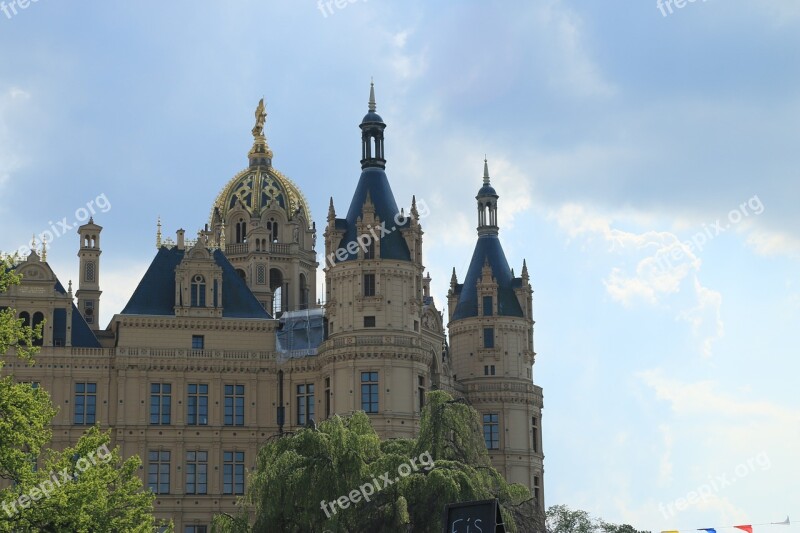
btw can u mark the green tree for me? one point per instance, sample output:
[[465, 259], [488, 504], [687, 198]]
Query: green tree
[[562, 519], [298, 474], [85, 488]]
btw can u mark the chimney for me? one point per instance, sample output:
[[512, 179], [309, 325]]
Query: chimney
[[180, 239]]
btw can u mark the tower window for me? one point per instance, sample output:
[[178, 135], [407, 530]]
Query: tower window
[[88, 311], [90, 271], [487, 306], [38, 318], [261, 275], [369, 392], [488, 337], [369, 284], [327, 397], [535, 428], [421, 391], [198, 342], [198, 291], [241, 231], [369, 250], [369, 321], [491, 431]]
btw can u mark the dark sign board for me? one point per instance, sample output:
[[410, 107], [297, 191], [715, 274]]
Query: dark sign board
[[473, 517]]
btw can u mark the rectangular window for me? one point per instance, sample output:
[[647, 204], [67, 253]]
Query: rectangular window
[[491, 431], [369, 252], [233, 472], [160, 403], [487, 306], [195, 529], [369, 321], [485, 370], [88, 311], [535, 427], [416, 326], [421, 391], [197, 405], [327, 398], [158, 471], [369, 392], [536, 490], [491, 370], [369, 284], [234, 405], [305, 403], [85, 404], [488, 337], [197, 472], [198, 342]]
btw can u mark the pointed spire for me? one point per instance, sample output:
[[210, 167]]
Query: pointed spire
[[453, 278], [372, 106], [525, 275], [414, 212], [485, 171], [158, 233], [222, 236], [44, 248]]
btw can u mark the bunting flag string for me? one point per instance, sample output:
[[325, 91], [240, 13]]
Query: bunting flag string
[[748, 527]]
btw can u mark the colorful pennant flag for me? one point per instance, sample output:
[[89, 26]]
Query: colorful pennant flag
[[749, 529], [708, 529]]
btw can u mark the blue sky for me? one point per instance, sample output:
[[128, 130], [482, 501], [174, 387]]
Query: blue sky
[[615, 135]]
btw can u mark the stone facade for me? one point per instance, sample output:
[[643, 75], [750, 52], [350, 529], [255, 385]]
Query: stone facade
[[190, 375]]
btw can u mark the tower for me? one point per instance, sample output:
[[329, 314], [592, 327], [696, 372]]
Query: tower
[[379, 354], [491, 347], [89, 274], [262, 223]]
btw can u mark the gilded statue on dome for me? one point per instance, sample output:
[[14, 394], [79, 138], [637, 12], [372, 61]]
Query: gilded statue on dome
[[261, 117]]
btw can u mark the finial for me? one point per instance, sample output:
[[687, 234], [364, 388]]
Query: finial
[[485, 171], [91, 220], [69, 288], [372, 106], [453, 278], [158, 233], [222, 237], [44, 248], [261, 117], [33, 242]]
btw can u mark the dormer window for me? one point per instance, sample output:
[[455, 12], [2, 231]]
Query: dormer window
[[198, 291]]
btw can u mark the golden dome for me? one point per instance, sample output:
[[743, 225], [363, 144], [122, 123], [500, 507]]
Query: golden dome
[[260, 184]]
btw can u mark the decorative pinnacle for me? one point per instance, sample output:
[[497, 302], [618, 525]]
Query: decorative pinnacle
[[453, 278], [485, 171], [44, 248], [69, 290], [158, 233], [33, 242], [372, 106]]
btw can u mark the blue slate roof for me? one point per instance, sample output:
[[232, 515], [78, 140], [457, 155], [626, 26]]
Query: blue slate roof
[[374, 181], [488, 248], [82, 335], [155, 294]]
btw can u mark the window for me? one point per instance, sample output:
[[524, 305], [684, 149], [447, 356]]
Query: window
[[234, 405], [369, 284], [198, 342], [198, 291], [88, 311], [369, 251], [261, 275], [38, 318], [535, 428], [369, 392], [160, 403], [195, 529], [536, 490], [305, 403], [327, 397], [90, 271], [416, 326], [197, 472], [241, 231], [197, 405], [421, 391], [491, 431], [488, 337], [158, 471], [233, 472], [369, 321], [85, 404], [26, 318], [491, 370], [487, 306], [272, 228]]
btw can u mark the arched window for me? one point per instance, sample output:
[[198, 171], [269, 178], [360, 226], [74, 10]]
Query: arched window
[[26, 318], [272, 227], [277, 301], [38, 318], [241, 273], [241, 231], [198, 291]]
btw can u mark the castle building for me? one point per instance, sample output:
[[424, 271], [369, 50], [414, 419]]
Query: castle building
[[225, 343]]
